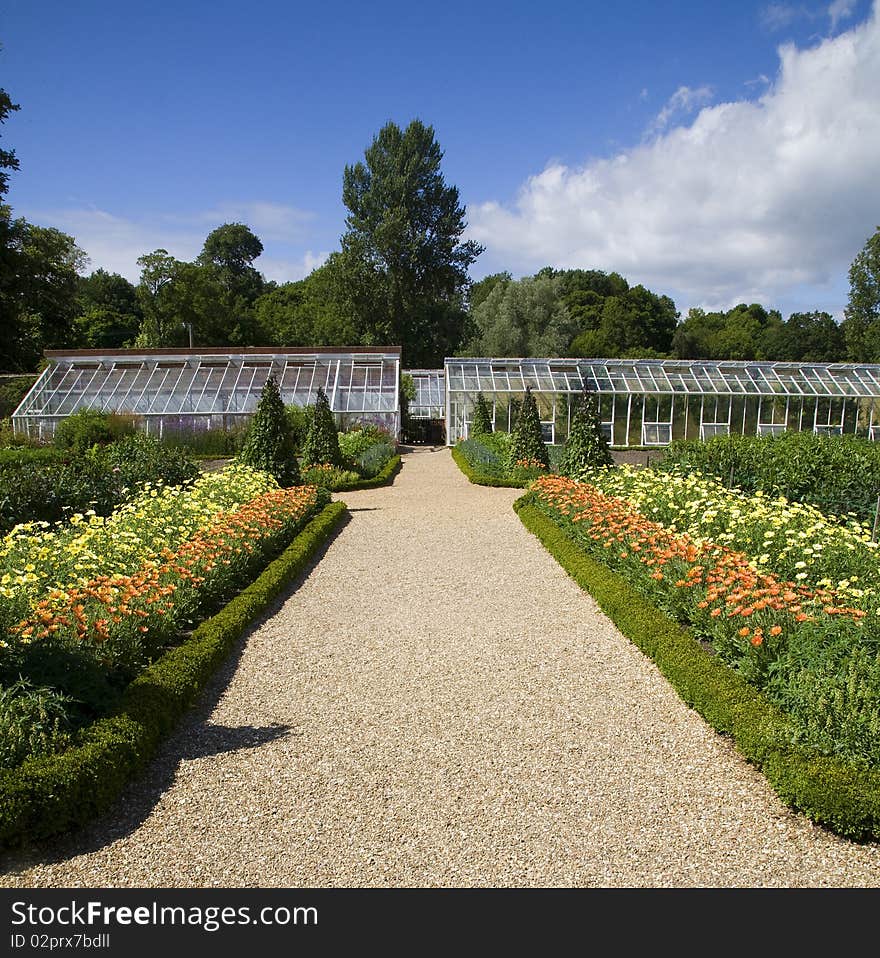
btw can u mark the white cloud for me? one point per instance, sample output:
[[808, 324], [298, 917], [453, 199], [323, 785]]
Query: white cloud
[[749, 201], [777, 16], [114, 242], [685, 100], [287, 271], [840, 10], [270, 221]]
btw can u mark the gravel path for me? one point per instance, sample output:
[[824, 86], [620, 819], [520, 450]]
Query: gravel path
[[438, 704]]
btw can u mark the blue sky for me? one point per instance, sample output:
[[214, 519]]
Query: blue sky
[[715, 152]]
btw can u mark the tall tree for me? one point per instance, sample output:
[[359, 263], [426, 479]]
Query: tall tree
[[526, 317], [404, 242], [109, 315], [8, 159], [861, 326]]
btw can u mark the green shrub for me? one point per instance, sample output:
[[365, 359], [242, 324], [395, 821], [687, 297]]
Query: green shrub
[[88, 427], [140, 458], [481, 422], [50, 484], [527, 441], [300, 418], [207, 443], [354, 443], [269, 444], [586, 446], [484, 469], [374, 459], [322, 441], [328, 477], [12, 391], [837, 474], [33, 721]]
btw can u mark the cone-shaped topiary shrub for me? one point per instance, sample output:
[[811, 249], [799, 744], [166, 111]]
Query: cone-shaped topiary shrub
[[269, 444], [322, 440], [481, 424], [586, 446], [527, 442]]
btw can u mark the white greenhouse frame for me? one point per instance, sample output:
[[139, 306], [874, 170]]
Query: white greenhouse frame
[[650, 402], [430, 398], [208, 388]]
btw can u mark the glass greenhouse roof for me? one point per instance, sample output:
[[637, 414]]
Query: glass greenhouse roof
[[185, 382], [663, 376]]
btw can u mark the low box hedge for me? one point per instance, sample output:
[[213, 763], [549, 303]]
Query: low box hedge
[[383, 478], [52, 794], [479, 478], [836, 794]]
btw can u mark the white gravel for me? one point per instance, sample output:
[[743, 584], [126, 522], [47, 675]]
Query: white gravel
[[438, 704]]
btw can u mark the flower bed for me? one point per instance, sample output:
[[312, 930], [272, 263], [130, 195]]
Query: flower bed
[[808, 647], [77, 644], [790, 539]]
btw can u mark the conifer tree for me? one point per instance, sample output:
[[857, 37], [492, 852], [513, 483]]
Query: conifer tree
[[322, 441], [481, 424], [587, 445], [269, 443], [527, 441]]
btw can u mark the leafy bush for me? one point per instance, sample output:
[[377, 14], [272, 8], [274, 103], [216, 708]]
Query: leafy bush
[[12, 391], [355, 442], [49, 484], [837, 474], [269, 444], [300, 418], [214, 443], [586, 446], [481, 422], [482, 458], [140, 458], [527, 441], [322, 441], [33, 721], [374, 459], [328, 476], [88, 427]]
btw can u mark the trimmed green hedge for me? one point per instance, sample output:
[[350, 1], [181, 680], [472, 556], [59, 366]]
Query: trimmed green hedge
[[383, 478], [482, 478], [834, 793], [52, 794]]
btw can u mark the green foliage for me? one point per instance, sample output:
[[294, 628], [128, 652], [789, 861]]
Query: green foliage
[[300, 419], [837, 474], [51, 794], [88, 427], [207, 443], [50, 484], [12, 391], [321, 446], [137, 458], [481, 421], [33, 721], [527, 441], [329, 477], [586, 445], [523, 318], [269, 444], [373, 460], [402, 262], [481, 466], [862, 324], [840, 795]]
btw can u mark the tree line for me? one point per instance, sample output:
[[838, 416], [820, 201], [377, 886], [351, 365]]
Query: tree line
[[400, 277]]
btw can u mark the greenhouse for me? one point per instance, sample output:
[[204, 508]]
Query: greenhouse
[[650, 402], [430, 394], [204, 388]]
